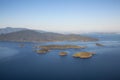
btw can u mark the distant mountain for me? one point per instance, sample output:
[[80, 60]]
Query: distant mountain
[[35, 36], [41, 31], [10, 30]]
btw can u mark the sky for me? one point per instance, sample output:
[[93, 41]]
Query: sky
[[61, 15]]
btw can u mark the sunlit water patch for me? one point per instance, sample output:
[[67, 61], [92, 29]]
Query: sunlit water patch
[[7, 52]]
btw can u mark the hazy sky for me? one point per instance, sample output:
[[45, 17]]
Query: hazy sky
[[61, 15]]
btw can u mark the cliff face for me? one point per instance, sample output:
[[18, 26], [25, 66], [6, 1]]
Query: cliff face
[[33, 36]]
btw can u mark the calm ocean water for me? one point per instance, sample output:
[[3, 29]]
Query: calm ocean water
[[24, 64]]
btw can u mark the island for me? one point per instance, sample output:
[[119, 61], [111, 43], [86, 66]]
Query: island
[[47, 48], [98, 44], [21, 45], [41, 51], [63, 53], [83, 55], [62, 47]]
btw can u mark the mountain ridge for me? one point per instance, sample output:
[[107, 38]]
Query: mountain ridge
[[34, 36], [11, 29]]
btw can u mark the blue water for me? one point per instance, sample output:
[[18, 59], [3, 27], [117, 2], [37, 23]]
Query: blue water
[[24, 64]]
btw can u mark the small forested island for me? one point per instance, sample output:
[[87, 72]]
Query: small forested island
[[62, 47], [83, 55], [46, 48], [63, 53], [98, 44], [41, 51], [21, 45]]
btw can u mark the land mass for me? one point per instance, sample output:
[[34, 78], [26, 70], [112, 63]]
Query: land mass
[[36, 36], [83, 55], [62, 47]]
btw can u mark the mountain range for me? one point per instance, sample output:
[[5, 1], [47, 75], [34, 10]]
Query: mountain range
[[28, 35]]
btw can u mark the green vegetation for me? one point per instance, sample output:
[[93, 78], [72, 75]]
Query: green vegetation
[[45, 49], [62, 47], [34, 36]]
